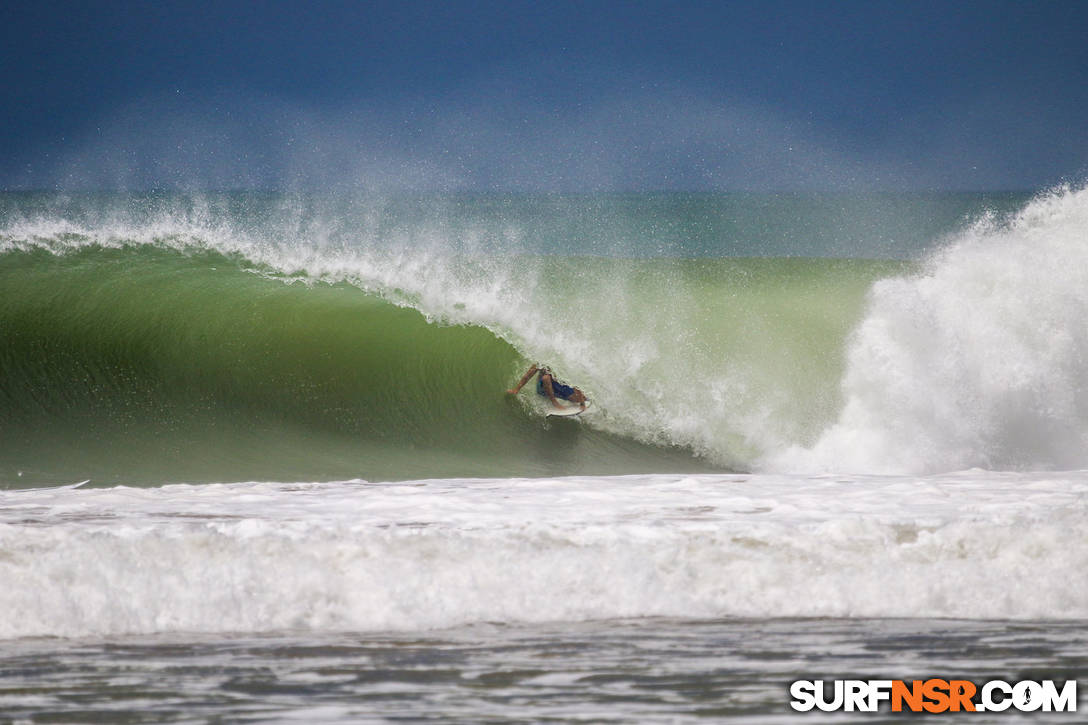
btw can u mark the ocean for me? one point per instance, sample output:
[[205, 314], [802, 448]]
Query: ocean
[[257, 462]]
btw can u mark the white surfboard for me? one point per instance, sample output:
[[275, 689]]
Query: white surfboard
[[564, 410]]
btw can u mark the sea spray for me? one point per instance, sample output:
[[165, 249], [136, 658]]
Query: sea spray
[[978, 360]]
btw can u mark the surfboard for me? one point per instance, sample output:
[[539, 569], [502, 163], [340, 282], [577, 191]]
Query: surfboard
[[567, 410]]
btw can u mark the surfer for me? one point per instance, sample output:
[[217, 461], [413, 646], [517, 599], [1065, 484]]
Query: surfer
[[549, 387]]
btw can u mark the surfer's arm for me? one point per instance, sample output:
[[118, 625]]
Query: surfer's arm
[[524, 379]]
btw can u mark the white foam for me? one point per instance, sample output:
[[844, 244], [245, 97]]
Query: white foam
[[361, 556], [977, 361]]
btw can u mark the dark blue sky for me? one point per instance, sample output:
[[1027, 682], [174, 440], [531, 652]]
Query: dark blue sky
[[544, 95]]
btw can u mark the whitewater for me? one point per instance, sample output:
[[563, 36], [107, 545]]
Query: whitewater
[[356, 555], [831, 435]]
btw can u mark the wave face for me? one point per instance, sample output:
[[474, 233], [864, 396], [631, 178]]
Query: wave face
[[150, 363], [249, 337]]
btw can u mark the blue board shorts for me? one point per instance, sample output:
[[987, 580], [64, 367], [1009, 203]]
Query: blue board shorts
[[563, 392]]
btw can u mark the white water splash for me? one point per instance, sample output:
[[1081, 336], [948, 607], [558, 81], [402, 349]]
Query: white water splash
[[263, 557], [980, 360]]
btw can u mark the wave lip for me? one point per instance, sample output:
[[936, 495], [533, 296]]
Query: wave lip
[[416, 555]]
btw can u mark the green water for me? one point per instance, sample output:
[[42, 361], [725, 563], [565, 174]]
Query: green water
[[161, 338], [153, 365]]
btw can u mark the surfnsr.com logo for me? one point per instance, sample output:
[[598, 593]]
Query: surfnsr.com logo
[[933, 695]]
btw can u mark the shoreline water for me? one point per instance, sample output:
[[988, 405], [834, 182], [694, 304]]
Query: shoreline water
[[649, 670], [666, 598]]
